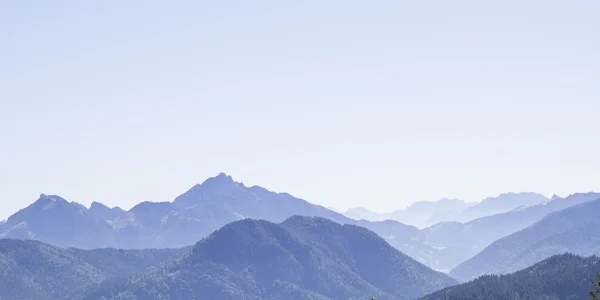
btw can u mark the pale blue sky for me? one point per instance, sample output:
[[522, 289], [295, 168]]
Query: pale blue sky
[[343, 103]]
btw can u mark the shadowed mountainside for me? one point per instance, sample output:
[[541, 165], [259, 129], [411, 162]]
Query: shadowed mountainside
[[559, 277], [572, 230], [35, 270], [220, 200], [301, 258]]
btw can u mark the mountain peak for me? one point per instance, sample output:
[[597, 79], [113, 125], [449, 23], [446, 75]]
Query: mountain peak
[[104, 212], [49, 200], [221, 179], [216, 183], [301, 258], [308, 220], [98, 205], [222, 174], [152, 206], [512, 200], [212, 189], [45, 197], [448, 200]]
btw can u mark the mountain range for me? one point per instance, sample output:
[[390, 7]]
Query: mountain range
[[418, 214], [572, 230], [427, 213], [220, 200], [35, 270], [560, 277], [103, 212], [252, 243], [501, 204], [190, 217], [53, 220], [300, 258], [457, 242]]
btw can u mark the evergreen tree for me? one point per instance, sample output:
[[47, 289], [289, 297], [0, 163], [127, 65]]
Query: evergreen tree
[[595, 294]]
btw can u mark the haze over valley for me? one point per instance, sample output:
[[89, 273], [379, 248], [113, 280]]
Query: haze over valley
[[299, 150], [522, 229]]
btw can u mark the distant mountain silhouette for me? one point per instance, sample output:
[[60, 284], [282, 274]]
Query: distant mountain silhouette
[[301, 258], [192, 216], [559, 277], [241, 202], [418, 214], [103, 212], [205, 208], [220, 200], [488, 207], [35, 270], [572, 230], [54, 220], [457, 242], [427, 213], [363, 213], [501, 204]]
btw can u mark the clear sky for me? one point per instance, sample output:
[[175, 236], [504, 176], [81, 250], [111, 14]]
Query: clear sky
[[343, 103]]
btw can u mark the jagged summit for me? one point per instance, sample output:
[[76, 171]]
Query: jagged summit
[[213, 188], [98, 205], [450, 200], [430, 204], [52, 219], [506, 202], [555, 197], [219, 180], [509, 195], [151, 206], [222, 180], [50, 198], [45, 202], [104, 212]]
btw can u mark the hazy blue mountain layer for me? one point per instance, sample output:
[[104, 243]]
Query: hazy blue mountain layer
[[561, 277], [301, 258], [35, 270], [220, 200], [572, 230]]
